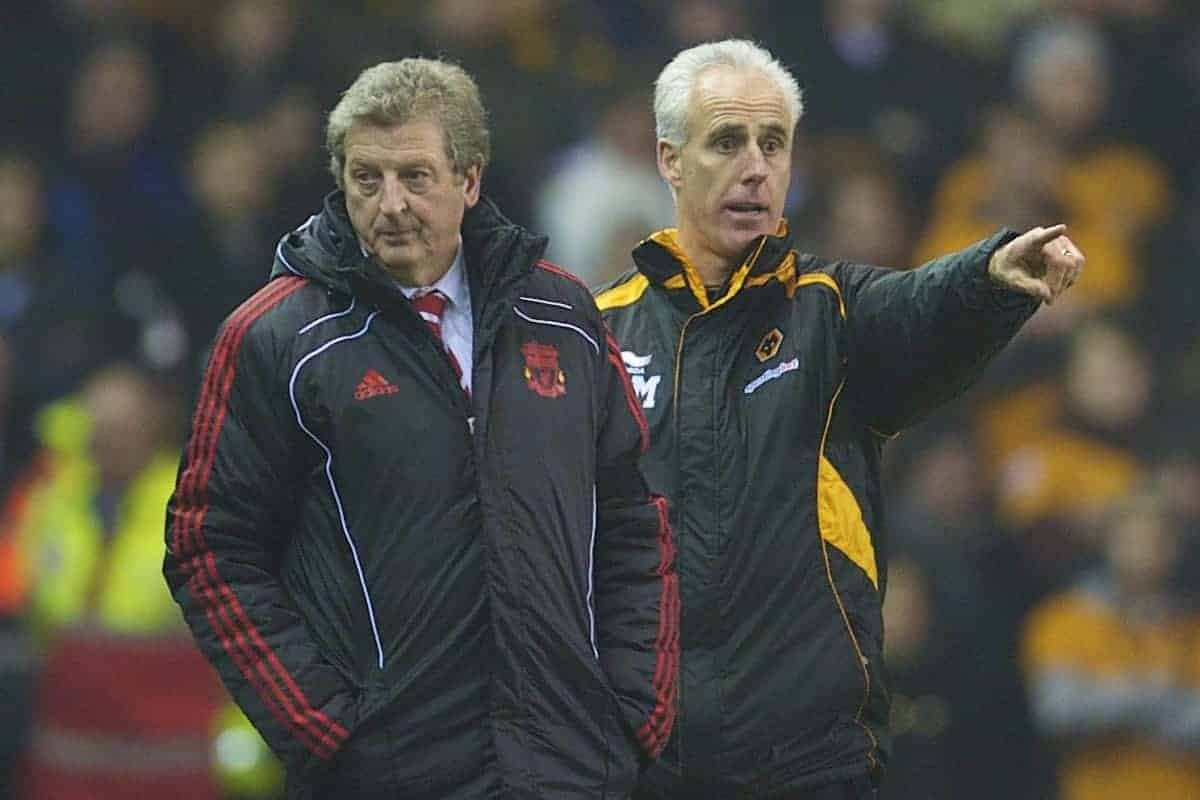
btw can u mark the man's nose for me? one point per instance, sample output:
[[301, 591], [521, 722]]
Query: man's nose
[[756, 170], [394, 198]]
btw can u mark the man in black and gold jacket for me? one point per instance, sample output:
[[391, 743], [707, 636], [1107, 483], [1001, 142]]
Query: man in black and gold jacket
[[771, 380]]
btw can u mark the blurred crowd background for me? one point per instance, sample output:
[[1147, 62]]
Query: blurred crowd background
[[1043, 608]]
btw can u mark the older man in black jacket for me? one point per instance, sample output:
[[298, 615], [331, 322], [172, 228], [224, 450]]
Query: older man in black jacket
[[409, 528], [771, 380]]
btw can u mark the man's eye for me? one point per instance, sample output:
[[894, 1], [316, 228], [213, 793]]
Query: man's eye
[[726, 144], [771, 147]]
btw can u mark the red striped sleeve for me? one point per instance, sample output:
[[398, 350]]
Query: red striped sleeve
[[635, 408], [240, 638], [654, 733]]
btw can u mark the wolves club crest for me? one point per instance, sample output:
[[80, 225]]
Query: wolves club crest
[[769, 345], [542, 373]]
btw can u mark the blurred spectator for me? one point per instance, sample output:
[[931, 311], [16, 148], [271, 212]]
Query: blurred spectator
[[291, 133], [657, 28], [224, 256], [606, 184], [866, 218], [119, 196], [1009, 180], [979, 25], [51, 334], [256, 52], [124, 702], [1114, 668], [616, 251], [691, 22], [1155, 66], [916, 648], [866, 72], [254, 40], [952, 615], [1062, 72], [1055, 490], [1053, 156], [42, 44]]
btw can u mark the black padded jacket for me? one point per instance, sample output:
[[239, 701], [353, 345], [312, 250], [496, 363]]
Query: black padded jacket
[[769, 405], [413, 593]]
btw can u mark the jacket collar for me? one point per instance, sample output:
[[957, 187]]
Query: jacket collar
[[497, 253], [660, 258]]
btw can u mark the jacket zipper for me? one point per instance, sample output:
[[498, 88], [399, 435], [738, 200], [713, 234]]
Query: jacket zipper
[[678, 547], [746, 266]]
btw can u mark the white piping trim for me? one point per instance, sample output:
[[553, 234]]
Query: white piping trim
[[591, 608], [279, 255], [362, 581], [279, 248], [546, 302], [327, 317], [551, 322]]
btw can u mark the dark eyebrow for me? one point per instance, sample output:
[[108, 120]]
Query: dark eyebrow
[[778, 130], [402, 164], [727, 129]]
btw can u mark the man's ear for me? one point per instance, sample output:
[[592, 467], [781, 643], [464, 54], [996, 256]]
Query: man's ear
[[668, 163], [472, 182]]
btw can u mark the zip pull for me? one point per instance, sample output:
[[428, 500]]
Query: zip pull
[[471, 425]]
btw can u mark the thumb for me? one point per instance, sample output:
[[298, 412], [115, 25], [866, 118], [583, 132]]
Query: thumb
[[1031, 286]]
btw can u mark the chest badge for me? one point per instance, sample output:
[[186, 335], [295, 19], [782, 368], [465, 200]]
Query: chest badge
[[645, 386], [542, 372], [769, 346]]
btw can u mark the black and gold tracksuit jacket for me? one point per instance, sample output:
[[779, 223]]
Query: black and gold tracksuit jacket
[[769, 405]]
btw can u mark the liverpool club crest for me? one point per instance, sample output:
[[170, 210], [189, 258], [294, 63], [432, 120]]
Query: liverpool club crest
[[542, 373]]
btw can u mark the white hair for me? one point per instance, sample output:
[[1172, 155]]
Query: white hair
[[673, 88]]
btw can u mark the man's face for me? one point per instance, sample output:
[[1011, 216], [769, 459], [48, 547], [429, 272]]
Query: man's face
[[405, 199], [731, 177]]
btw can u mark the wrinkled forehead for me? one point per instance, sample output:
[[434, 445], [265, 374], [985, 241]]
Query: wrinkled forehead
[[414, 131], [370, 142], [723, 96]]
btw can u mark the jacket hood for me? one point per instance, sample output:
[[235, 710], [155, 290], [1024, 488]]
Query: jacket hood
[[325, 249]]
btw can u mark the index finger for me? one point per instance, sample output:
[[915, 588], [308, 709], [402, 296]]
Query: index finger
[[1047, 235]]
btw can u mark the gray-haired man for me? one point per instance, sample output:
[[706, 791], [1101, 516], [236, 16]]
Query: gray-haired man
[[771, 379], [409, 528]]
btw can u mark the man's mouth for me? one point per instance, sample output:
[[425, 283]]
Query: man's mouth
[[746, 209], [392, 237]]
